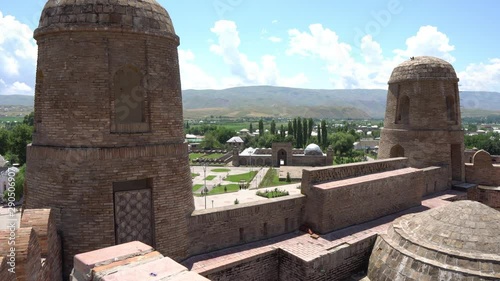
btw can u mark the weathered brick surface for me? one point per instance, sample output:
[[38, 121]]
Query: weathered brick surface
[[5, 275], [342, 203], [431, 127], [219, 228], [28, 265], [436, 179], [81, 147], [482, 170], [42, 221], [256, 268], [488, 195]]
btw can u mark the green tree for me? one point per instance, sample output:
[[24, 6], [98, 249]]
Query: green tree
[[29, 119], [20, 137], [282, 131], [319, 137], [273, 127], [342, 143], [305, 130], [4, 141], [295, 135], [261, 127], [251, 128], [290, 128], [300, 140], [210, 141], [324, 134], [310, 128]]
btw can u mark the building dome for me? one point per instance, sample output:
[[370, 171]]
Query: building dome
[[137, 16], [457, 241], [313, 149], [422, 68]]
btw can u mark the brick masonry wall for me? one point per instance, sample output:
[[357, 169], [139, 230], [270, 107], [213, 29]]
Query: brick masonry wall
[[489, 196], [78, 185], [5, 275], [332, 206], [318, 175], [435, 179], [482, 171], [42, 221], [257, 268], [219, 228]]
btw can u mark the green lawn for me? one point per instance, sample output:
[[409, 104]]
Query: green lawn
[[221, 170], [209, 178], [193, 156], [197, 186], [246, 177], [272, 179], [220, 189], [194, 175], [11, 119]]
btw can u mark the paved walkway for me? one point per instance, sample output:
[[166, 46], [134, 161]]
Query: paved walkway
[[5, 218], [303, 246]]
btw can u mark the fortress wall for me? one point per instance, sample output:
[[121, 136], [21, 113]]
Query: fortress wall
[[310, 160], [258, 267], [318, 175], [435, 179], [339, 204], [482, 171], [219, 228]]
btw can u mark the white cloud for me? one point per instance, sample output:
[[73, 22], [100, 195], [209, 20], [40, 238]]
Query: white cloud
[[429, 42], [242, 68], [16, 88], [481, 76], [275, 39], [365, 67], [192, 76], [18, 53]]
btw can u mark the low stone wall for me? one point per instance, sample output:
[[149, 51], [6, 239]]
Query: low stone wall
[[343, 203], [219, 228], [37, 249], [482, 171], [435, 180], [488, 195], [333, 173]]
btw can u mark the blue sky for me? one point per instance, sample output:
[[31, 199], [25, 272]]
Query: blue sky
[[324, 44]]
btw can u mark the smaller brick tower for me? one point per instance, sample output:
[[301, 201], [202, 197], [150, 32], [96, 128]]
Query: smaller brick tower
[[422, 120], [108, 153]]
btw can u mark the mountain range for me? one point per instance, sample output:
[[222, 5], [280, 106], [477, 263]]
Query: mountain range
[[269, 101]]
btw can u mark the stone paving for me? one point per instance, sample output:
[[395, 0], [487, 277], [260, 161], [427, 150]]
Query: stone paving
[[304, 247], [5, 218]]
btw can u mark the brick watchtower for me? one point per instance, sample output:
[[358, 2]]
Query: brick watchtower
[[108, 152], [422, 120]]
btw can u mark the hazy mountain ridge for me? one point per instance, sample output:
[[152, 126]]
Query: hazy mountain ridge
[[268, 101]]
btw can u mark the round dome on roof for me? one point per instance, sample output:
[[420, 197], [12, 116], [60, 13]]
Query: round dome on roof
[[313, 149], [423, 68], [139, 15], [454, 242]]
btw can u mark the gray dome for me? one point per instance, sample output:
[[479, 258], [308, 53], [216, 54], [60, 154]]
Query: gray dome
[[145, 16], [313, 149], [423, 68]]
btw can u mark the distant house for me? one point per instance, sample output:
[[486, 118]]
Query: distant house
[[244, 132], [365, 144], [236, 142]]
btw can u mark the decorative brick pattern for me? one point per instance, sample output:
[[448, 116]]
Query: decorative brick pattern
[[133, 213]]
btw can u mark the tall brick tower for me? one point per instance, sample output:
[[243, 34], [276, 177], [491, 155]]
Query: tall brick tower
[[108, 152], [422, 120]]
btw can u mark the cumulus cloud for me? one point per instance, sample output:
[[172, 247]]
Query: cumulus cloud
[[193, 77], [18, 52], [275, 39], [481, 76], [245, 71], [366, 66]]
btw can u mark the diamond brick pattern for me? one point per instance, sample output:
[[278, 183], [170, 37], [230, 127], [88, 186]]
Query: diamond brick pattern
[[133, 218]]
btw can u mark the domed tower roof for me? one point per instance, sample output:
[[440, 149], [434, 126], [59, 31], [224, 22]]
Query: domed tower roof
[[145, 16], [462, 236], [313, 149], [422, 68]]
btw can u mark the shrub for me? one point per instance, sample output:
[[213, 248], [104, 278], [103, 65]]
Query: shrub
[[236, 201], [288, 178]]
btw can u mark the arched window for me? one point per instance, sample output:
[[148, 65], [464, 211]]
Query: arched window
[[451, 108], [397, 151], [129, 96], [403, 110]]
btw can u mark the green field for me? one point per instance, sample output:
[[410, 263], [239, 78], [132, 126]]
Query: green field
[[193, 156], [209, 178], [245, 177], [11, 119]]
